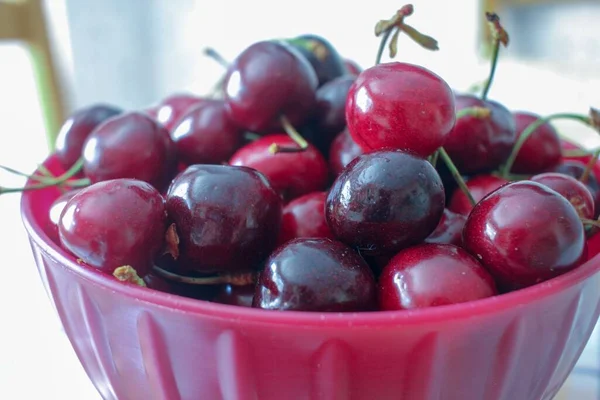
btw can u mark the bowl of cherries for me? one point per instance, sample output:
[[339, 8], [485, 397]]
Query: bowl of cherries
[[313, 230]]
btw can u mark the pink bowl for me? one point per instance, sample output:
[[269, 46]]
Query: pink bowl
[[136, 343]]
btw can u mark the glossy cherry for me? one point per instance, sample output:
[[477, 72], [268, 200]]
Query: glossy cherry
[[330, 117], [115, 223], [291, 174], [131, 145], [385, 201], [573, 190], [76, 129], [55, 211], [541, 151], [235, 295], [206, 135], [266, 81], [479, 186], [304, 217], [449, 230], [343, 150], [576, 169], [400, 106], [525, 233], [432, 275], [316, 275], [172, 108], [481, 144], [227, 218]]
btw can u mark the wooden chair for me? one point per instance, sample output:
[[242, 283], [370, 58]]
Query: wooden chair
[[24, 20]]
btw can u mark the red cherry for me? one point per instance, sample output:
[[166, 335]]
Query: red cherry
[[576, 192], [449, 230], [55, 211], [400, 106], [266, 81], [525, 233], [315, 275], [131, 145], [352, 67], [481, 144], [479, 186], [227, 218], [235, 295], [172, 108], [343, 150], [431, 275], [565, 145], [76, 129], [304, 217], [115, 223], [206, 135], [291, 174], [541, 151], [576, 169]]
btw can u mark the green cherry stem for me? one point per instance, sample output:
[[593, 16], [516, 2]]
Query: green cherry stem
[[456, 175], [505, 170], [500, 37], [238, 279], [294, 135], [53, 182]]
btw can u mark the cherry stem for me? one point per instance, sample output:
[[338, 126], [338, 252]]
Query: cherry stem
[[590, 222], [54, 182], [500, 36], [126, 273], [239, 279], [294, 135], [251, 136], [456, 175], [434, 158], [577, 153], [382, 44], [212, 53], [505, 171], [476, 112]]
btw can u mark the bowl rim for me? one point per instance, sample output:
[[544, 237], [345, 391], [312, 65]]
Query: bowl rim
[[370, 319]]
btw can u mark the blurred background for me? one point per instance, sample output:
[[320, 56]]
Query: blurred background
[[59, 55]]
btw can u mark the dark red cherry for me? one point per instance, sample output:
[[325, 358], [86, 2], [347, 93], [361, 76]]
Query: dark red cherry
[[330, 117], [115, 223], [77, 128], [55, 211], [541, 151], [322, 56], [304, 217], [159, 283], [385, 201], [352, 67], [400, 106], [131, 145], [576, 192], [343, 150], [206, 135], [449, 230], [431, 275], [479, 186], [525, 233], [566, 146], [172, 108], [266, 81], [316, 275], [481, 144], [291, 174], [235, 295], [227, 218], [576, 169]]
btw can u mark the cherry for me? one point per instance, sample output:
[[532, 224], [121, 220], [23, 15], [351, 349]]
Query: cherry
[[572, 189], [481, 144], [315, 275], [291, 174], [343, 150], [266, 81], [172, 108], [131, 145], [431, 275], [400, 106], [576, 169], [235, 295], [206, 135], [305, 217], [227, 218], [322, 56], [525, 233], [76, 129], [385, 201], [352, 67], [330, 118], [479, 186], [55, 211], [449, 230], [158, 283], [567, 147], [115, 223]]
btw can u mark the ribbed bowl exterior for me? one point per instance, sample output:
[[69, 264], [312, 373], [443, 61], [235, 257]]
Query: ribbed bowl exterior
[[138, 345]]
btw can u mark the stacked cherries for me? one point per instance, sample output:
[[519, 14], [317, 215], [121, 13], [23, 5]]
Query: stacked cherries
[[309, 184]]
